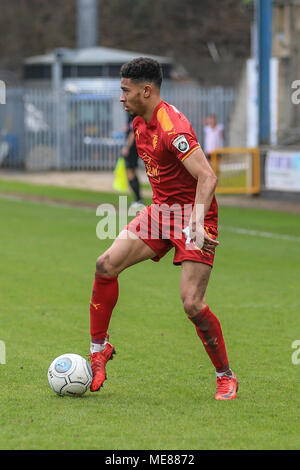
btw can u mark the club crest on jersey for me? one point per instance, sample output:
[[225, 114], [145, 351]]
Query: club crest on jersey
[[181, 144]]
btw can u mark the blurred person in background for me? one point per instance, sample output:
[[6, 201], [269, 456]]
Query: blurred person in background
[[214, 137], [129, 152]]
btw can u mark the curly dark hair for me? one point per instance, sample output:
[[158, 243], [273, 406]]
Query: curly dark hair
[[143, 69]]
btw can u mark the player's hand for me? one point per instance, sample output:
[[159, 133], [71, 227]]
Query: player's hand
[[209, 243], [201, 238]]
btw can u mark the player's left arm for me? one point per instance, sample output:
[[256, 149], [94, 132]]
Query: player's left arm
[[184, 144], [197, 165]]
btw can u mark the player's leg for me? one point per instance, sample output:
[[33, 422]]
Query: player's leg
[[194, 281], [124, 252]]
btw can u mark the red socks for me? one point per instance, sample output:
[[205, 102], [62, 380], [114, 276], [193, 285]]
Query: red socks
[[104, 298], [209, 330]]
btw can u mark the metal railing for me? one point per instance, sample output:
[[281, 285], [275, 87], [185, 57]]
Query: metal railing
[[44, 130]]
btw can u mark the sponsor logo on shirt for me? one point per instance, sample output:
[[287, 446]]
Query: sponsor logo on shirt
[[181, 144], [152, 169]]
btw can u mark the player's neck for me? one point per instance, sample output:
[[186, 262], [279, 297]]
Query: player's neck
[[147, 115]]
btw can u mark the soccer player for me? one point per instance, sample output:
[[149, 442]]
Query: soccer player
[[181, 178]]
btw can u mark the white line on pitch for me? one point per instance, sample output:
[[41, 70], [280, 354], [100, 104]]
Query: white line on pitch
[[241, 231], [257, 233]]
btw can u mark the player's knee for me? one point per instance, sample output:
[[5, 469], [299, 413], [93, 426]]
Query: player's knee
[[193, 305], [105, 267]]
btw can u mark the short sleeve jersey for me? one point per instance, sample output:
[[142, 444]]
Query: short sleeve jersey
[[163, 144]]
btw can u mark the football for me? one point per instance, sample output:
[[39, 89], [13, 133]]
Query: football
[[70, 374]]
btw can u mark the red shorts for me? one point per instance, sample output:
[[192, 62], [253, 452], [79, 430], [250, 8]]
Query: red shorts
[[162, 231]]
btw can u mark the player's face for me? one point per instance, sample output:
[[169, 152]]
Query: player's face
[[132, 97]]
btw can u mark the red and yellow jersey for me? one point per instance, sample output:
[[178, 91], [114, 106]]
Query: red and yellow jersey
[[163, 144]]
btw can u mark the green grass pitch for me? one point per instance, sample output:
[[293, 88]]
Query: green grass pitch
[[160, 388]]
